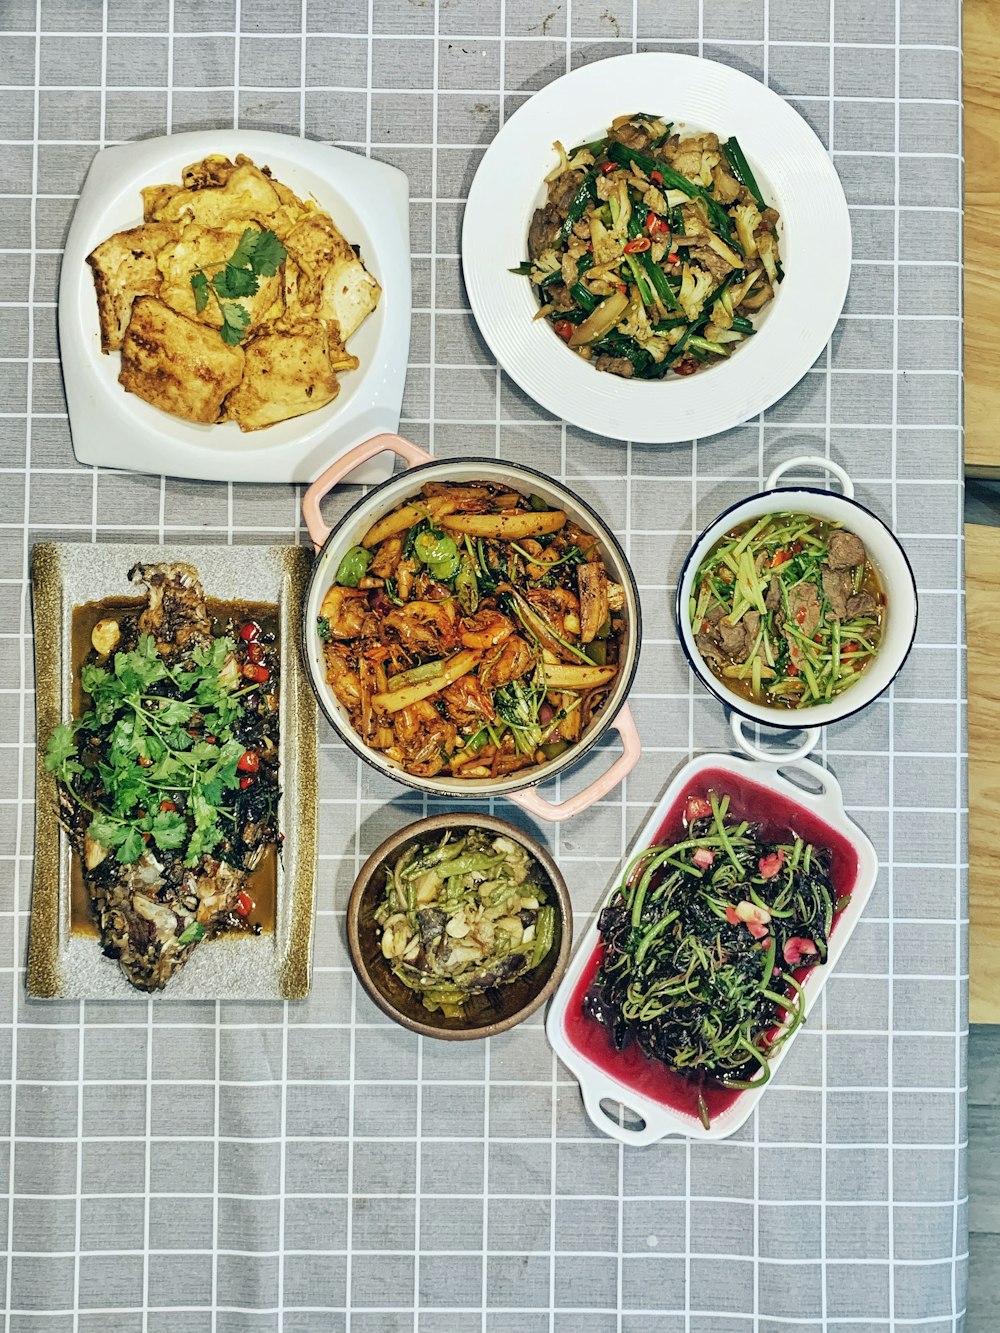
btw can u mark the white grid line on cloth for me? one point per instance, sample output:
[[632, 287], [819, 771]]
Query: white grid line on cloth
[[492, 39]]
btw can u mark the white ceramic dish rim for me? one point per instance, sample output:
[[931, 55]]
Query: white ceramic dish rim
[[347, 531], [596, 1085], [888, 556], [368, 199], [794, 170]]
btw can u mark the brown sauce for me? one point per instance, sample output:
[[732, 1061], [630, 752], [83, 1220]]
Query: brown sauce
[[262, 883]]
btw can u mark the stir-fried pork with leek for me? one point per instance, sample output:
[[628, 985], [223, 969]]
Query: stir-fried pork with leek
[[702, 941], [787, 610], [653, 252], [474, 632], [464, 916]]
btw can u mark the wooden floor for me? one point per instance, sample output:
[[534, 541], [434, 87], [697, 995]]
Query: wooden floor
[[981, 41]]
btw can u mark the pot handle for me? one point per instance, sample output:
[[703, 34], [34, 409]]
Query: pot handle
[[411, 453], [555, 813], [812, 461], [810, 739]]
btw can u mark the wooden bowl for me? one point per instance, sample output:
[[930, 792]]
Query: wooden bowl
[[485, 1015]]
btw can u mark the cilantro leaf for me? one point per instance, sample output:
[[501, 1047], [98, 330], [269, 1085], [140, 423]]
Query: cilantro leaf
[[174, 713], [235, 320], [61, 746], [169, 830], [268, 254], [199, 284], [235, 282], [107, 831], [202, 841], [243, 255], [132, 846]]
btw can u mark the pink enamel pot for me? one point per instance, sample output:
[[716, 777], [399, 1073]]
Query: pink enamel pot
[[331, 545]]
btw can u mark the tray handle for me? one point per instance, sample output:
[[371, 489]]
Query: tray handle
[[811, 461], [411, 453], [555, 812], [783, 757], [594, 1090]]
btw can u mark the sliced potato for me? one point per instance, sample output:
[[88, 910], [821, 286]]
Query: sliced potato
[[459, 665], [401, 519], [578, 677], [506, 527]]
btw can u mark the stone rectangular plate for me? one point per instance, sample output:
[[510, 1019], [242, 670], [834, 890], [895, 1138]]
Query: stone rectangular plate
[[64, 964]]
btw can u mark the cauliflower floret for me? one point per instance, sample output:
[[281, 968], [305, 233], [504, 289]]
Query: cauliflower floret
[[547, 262], [606, 247], [747, 220], [695, 287], [767, 251], [636, 322], [653, 198]]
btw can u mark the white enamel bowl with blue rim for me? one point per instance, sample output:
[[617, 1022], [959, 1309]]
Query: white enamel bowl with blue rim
[[899, 619]]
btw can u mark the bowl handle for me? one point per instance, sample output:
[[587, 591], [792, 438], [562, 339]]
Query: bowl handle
[[810, 739], [411, 453], [815, 461], [555, 812]]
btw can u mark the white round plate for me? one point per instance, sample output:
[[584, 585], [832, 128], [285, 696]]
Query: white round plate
[[795, 175], [367, 200]]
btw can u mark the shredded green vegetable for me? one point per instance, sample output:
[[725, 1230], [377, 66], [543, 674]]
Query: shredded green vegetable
[[781, 616]]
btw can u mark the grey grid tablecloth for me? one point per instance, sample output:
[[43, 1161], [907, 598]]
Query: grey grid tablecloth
[[178, 1169]]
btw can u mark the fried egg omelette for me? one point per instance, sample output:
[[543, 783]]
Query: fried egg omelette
[[176, 352]]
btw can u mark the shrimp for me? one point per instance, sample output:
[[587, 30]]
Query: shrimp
[[345, 610], [424, 626], [342, 679], [485, 630], [386, 557], [466, 703], [558, 606], [514, 660]]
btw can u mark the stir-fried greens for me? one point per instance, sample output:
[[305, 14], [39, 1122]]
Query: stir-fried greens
[[700, 944], [653, 252], [464, 916], [473, 632], [787, 610]]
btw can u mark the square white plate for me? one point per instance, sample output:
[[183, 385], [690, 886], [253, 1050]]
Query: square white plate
[[369, 202]]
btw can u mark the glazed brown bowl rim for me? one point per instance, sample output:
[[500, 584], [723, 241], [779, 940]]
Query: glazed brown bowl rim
[[452, 820]]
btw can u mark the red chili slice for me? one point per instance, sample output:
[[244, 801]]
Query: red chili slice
[[250, 632], [248, 762], [564, 328], [244, 904], [258, 674], [637, 245]]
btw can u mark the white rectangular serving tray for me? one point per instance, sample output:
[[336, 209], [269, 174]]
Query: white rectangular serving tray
[[635, 1118], [369, 202]]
